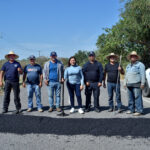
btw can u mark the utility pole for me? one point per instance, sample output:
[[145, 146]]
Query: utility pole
[[39, 53]]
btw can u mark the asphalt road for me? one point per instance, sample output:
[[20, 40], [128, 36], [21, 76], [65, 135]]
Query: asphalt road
[[88, 131]]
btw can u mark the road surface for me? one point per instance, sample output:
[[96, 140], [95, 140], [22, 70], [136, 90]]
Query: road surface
[[88, 131]]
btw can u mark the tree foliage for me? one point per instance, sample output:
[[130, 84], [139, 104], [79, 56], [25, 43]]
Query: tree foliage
[[131, 32], [82, 57]]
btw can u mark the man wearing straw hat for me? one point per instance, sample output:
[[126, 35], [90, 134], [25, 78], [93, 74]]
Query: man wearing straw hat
[[10, 71], [134, 81], [113, 70]]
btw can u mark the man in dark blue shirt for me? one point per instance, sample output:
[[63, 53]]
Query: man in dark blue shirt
[[10, 71], [93, 76], [33, 72]]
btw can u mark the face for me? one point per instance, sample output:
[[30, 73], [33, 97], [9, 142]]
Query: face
[[32, 61], [91, 57], [72, 61], [53, 58], [112, 59], [133, 58], [11, 57]]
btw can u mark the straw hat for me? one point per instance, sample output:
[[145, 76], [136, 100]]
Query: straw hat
[[112, 55], [133, 53], [11, 53]]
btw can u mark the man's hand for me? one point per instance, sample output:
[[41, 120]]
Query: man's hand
[[1, 84], [81, 87], [62, 80], [40, 84], [20, 70], [119, 68], [99, 84], [125, 87], [142, 87], [46, 82], [87, 83], [104, 85], [23, 84]]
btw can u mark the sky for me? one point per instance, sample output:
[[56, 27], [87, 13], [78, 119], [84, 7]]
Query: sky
[[64, 26]]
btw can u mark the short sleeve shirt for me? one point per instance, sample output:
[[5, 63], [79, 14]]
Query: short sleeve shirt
[[33, 73], [112, 72], [11, 71]]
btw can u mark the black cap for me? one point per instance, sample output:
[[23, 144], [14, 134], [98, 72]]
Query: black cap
[[91, 53], [32, 57], [53, 54]]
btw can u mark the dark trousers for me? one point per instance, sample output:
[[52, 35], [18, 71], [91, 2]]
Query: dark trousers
[[74, 88], [7, 89], [96, 93]]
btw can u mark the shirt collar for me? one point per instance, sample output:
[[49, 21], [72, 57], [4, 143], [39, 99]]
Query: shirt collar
[[134, 63], [55, 62], [93, 63]]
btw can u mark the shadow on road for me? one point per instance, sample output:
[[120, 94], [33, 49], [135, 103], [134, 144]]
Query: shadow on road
[[21, 124]]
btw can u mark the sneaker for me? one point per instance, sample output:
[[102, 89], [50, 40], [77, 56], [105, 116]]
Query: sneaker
[[110, 110], [58, 109], [80, 110], [119, 110], [18, 111], [97, 110], [87, 110], [137, 114], [50, 110], [40, 110], [72, 110], [29, 109], [4, 111], [129, 112]]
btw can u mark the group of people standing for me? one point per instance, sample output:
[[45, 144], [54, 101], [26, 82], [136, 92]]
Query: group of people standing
[[91, 75]]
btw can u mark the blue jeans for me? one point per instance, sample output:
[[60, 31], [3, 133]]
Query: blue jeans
[[111, 87], [31, 89], [54, 87], [74, 88], [135, 100]]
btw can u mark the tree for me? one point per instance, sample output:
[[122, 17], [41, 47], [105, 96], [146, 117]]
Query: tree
[[132, 32], [64, 61], [136, 17], [82, 57]]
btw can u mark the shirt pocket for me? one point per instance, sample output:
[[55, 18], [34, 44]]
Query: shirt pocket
[[136, 69]]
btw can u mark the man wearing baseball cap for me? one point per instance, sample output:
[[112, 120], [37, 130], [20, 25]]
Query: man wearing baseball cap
[[93, 76], [53, 75], [33, 72], [10, 71]]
